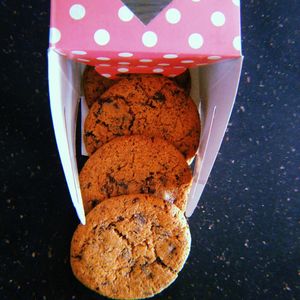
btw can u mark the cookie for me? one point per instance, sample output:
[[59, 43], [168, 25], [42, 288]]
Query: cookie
[[183, 80], [146, 105], [135, 164], [94, 85], [132, 247]]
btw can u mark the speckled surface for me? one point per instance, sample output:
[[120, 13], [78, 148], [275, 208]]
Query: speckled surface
[[246, 230]]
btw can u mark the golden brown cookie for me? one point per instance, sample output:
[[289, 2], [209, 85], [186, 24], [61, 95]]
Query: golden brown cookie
[[147, 105], [132, 247], [132, 165], [94, 85]]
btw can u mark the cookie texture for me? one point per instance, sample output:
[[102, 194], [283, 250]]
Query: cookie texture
[[132, 247], [146, 105], [135, 164], [94, 85]]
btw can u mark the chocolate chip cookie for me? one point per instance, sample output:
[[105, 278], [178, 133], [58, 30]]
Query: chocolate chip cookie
[[132, 247], [135, 164], [146, 105]]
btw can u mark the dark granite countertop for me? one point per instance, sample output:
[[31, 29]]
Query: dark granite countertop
[[246, 229]]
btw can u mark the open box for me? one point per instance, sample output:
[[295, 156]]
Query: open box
[[201, 35]]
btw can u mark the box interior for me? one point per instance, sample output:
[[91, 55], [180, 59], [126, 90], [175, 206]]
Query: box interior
[[214, 89]]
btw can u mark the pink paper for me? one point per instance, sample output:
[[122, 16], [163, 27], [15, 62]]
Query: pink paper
[[106, 34]]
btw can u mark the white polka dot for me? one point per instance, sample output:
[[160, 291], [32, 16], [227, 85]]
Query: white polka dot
[[173, 15], [179, 67], [82, 59], [236, 2], [187, 61], [170, 56], [103, 58], [106, 75], [163, 64], [145, 60], [149, 39], [104, 65], [196, 0], [55, 35], [125, 14], [102, 37], [60, 52], [158, 70], [123, 70], [214, 57], [142, 66], [218, 18], [78, 52], [195, 40], [123, 63], [77, 11], [125, 54], [237, 43]]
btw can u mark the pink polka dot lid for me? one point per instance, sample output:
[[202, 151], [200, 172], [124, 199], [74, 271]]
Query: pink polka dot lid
[[113, 37]]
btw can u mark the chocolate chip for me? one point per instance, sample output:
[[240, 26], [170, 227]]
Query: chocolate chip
[[123, 185], [140, 218], [89, 133], [135, 200], [149, 180], [111, 225], [116, 105], [94, 202], [111, 178], [120, 218], [107, 100], [99, 110], [160, 262], [79, 257], [159, 97], [151, 190], [94, 229]]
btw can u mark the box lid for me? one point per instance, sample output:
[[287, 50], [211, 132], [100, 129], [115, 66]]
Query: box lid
[[108, 35]]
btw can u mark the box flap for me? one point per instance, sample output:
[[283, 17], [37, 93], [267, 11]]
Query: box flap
[[218, 88], [108, 35], [64, 96]]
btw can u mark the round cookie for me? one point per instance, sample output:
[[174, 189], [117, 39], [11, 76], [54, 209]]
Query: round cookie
[[132, 165], [94, 85], [147, 105], [132, 247]]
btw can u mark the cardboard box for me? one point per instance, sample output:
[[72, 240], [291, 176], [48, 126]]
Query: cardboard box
[[201, 35]]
